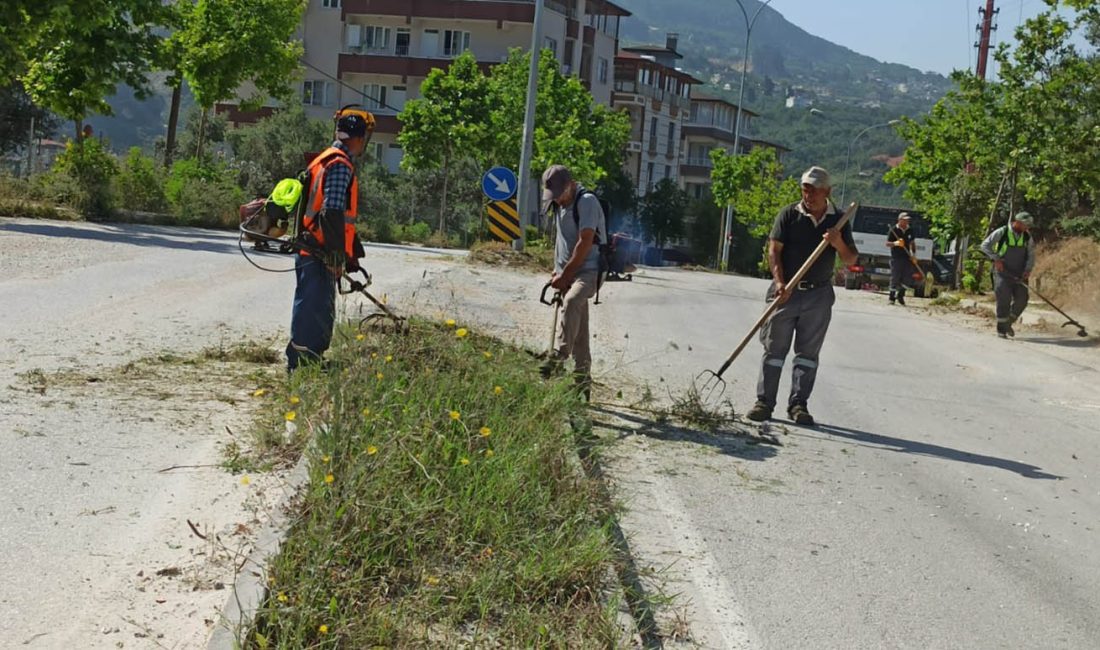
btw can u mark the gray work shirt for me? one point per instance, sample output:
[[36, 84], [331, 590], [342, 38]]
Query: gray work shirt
[[1017, 259], [590, 215]]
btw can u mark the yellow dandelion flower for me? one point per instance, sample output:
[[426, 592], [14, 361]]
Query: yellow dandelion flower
[[290, 416], [329, 478], [487, 354], [245, 480], [455, 415], [360, 337], [371, 450], [431, 580], [373, 355], [326, 459], [485, 432], [497, 390], [389, 358], [323, 629], [464, 461], [366, 413], [259, 392], [379, 376], [282, 597], [461, 332], [489, 453], [450, 322], [294, 399]]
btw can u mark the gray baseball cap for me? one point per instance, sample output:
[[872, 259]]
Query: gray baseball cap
[[816, 176], [1024, 218], [554, 181]]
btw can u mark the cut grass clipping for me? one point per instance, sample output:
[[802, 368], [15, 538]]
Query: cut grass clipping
[[443, 509]]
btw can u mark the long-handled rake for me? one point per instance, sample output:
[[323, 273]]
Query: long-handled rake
[[711, 380], [355, 286], [1069, 320]]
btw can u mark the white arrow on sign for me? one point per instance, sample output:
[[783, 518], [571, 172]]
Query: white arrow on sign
[[502, 186]]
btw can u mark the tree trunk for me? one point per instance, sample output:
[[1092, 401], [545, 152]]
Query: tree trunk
[[202, 135], [78, 124], [173, 121], [443, 200]]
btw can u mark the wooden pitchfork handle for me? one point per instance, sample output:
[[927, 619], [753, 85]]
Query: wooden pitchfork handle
[[792, 282]]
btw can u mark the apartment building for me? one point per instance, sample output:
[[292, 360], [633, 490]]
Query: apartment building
[[711, 125], [658, 98], [377, 52]]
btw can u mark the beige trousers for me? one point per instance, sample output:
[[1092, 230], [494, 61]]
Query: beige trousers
[[573, 337]]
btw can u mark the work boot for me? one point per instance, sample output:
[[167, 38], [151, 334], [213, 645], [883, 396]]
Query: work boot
[[799, 415], [1008, 330], [550, 368], [760, 412], [893, 297], [901, 297]]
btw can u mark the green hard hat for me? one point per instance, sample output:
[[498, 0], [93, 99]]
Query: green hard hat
[[287, 193]]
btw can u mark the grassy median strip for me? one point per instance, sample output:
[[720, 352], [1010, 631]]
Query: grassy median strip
[[443, 509]]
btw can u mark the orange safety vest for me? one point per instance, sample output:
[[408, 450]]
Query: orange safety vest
[[316, 175]]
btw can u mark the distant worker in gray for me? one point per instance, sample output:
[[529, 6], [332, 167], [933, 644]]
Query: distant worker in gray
[[1013, 253], [807, 307], [903, 246]]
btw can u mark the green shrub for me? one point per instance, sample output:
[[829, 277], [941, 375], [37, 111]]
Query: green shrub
[[381, 228], [203, 194], [140, 183], [14, 188], [418, 232], [92, 168], [1083, 226]]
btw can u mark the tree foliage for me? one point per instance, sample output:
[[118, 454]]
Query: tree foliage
[[753, 184], [16, 111], [1036, 130], [273, 148], [663, 212]]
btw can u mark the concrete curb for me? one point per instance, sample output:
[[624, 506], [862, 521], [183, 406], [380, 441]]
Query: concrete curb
[[250, 587]]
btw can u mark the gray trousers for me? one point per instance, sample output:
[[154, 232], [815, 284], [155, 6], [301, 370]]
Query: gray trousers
[[901, 275], [1012, 299], [572, 337], [803, 319]]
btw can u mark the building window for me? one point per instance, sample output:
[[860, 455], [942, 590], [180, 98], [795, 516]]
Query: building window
[[330, 4], [376, 38], [671, 138], [374, 97], [649, 178], [602, 70], [653, 135], [668, 171], [376, 149], [455, 42], [317, 93], [404, 37], [552, 45]]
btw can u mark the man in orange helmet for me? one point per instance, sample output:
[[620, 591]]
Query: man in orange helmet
[[328, 228]]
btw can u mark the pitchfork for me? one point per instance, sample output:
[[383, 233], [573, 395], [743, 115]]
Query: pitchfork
[[713, 379]]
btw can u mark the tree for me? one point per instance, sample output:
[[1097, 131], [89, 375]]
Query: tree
[[21, 21], [224, 43], [663, 211], [79, 52], [273, 148], [753, 184], [449, 122], [16, 112]]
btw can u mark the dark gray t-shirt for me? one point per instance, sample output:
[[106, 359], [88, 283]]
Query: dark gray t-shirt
[[799, 235], [590, 216]]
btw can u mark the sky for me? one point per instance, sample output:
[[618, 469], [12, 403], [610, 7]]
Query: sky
[[930, 35]]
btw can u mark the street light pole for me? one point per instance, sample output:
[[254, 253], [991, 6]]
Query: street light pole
[[848, 157], [523, 174], [737, 122]]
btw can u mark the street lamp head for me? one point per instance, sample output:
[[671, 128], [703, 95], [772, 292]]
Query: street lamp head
[[818, 112], [893, 122]]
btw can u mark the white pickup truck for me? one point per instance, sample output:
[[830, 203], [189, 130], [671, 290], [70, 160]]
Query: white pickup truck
[[870, 227]]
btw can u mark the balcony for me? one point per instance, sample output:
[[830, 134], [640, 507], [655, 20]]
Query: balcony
[[697, 167], [695, 130], [388, 64], [516, 11], [636, 89]]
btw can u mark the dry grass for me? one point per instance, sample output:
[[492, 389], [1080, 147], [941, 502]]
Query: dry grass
[[532, 258], [1066, 273]]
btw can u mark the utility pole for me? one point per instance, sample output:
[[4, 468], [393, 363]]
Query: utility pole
[[523, 174], [985, 31], [30, 150]]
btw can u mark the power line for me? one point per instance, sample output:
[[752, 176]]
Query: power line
[[374, 100]]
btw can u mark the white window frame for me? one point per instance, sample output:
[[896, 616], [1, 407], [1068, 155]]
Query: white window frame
[[372, 34], [449, 38], [601, 70], [330, 4], [551, 44], [310, 89], [374, 97]]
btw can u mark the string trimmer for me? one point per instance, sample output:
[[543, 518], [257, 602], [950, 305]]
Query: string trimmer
[[1069, 320], [555, 302], [714, 379]]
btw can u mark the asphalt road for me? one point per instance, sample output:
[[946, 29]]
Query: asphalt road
[[948, 500]]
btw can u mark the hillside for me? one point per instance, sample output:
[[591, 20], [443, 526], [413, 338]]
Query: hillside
[[852, 91]]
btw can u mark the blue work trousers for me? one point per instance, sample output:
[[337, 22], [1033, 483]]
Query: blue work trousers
[[314, 312]]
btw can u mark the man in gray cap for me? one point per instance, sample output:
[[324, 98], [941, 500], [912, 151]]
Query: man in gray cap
[[902, 245], [581, 228], [1013, 253], [806, 308]]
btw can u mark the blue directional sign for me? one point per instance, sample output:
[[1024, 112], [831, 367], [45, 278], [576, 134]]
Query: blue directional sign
[[499, 184]]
